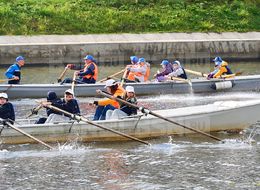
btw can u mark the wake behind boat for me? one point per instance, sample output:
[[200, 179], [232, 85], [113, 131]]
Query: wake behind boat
[[239, 83], [219, 116]]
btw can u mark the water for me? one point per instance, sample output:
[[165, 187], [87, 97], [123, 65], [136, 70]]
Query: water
[[171, 162], [180, 164]]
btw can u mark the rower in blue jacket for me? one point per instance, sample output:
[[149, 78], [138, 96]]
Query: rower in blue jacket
[[13, 73]]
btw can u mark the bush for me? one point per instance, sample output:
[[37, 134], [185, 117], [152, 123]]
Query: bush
[[27, 17]]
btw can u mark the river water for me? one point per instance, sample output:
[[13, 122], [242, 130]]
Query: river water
[[171, 162]]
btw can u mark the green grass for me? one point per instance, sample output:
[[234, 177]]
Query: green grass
[[32, 17]]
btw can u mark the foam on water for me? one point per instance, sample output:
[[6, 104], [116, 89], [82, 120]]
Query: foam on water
[[67, 149], [198, 97]]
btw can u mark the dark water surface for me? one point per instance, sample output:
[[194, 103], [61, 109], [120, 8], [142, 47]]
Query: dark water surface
[[171, 162]]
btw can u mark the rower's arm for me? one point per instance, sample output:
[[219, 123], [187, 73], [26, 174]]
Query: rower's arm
[[10, 72]]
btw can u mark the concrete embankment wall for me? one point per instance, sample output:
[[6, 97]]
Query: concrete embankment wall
[[116, 48]]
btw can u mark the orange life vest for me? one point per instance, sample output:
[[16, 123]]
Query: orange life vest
[[119, 92], [147, 74], [89, 76]]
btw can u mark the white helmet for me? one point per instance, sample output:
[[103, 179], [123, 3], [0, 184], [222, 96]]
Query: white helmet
[[130, 89], [110, 82], [3, 95]]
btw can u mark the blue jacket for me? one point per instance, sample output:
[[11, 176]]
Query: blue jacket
[[13, 70]]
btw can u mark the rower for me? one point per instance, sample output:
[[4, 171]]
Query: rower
[[53, 99], [141, 72], [69, 104], [124, 110], [221, 67], [178, 70], [13, 73], [166, 69], [6, 108], [113, 88], [134, 64], [88, 74]]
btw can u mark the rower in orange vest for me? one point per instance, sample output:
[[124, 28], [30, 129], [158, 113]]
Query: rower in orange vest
[[141, 72], [103, 105], [88, 74]]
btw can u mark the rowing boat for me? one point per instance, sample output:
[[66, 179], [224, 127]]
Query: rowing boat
[[219, 116], [239, 83]]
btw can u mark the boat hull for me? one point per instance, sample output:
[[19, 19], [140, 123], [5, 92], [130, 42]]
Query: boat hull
[[206, 118], [242, 83]]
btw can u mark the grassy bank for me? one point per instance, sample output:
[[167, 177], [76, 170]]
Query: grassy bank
[[29, 17]]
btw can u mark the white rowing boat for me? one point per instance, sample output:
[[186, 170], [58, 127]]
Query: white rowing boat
[[239, 83], [220, 116]]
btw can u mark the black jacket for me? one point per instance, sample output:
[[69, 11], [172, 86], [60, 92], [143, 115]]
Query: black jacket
[[70, 106], [7, 111], [128, 109]]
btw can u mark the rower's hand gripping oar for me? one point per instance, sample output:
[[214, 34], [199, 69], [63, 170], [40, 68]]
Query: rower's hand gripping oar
[[62, 74], [26, 134], [34, 111], [81, 118], [147, 111]]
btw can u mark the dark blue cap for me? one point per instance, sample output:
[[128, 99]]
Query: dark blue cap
[[51, 96]]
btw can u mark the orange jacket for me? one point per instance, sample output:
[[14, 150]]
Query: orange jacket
[[141, 70], [89, 76], [119, 92], [222, 70]]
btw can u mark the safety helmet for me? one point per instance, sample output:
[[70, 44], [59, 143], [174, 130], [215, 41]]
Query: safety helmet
[[19, 58], [110, 82], [217, 59], [89, 57], [165, 62], [134, 59], [141, 60]]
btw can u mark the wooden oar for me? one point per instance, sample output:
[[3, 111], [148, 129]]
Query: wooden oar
[[145, 110], [115, 74], [196, 73], [73, 82], [124, 77], [62, 74], [6, 80], [34, 111], [28, 135], [231, 75], [81, 118], [181, 79]]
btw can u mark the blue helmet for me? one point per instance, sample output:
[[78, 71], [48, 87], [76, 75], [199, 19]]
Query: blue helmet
[[19, 58], [165, 62], [134, 59], [217, 59], [141, 60], [89, 57]]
